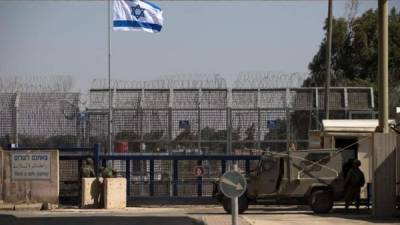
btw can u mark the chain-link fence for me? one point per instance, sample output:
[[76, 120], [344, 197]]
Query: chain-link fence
[[223, 120], [40, 119], [171, 117], [204, 120], [191, 113]]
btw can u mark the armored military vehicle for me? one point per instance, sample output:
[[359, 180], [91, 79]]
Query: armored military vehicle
[[311, 177]]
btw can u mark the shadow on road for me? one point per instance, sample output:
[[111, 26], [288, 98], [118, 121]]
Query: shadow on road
[[364, 215], [97, 220]]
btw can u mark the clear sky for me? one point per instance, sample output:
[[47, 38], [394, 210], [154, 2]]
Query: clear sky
[[70, 38]]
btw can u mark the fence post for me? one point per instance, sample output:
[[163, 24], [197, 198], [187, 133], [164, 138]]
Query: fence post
[[287, 115], [259, 118], [199, 121], [229, 130], [247, 166], [175, 177], [79, 167], [96, 159], [151, 183], [223, 166], [346, 102], [16, 107], [199, 180], [316, 102], [229, 121], [128, 177], [170, 105]]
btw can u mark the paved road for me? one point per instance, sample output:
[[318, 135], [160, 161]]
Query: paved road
[[288, 215], [300, 216], [186, 215], [142, 216]]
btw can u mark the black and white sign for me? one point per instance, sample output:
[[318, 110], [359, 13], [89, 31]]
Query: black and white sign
[[30, 166], [232, 184]]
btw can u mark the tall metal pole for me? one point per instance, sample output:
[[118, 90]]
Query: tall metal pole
[[235, 202], [109, 79], [328, 60], [383, 68]]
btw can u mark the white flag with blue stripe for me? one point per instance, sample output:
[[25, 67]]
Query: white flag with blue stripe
[[137, 15]]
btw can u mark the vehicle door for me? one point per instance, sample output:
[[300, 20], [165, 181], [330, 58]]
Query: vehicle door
[[268, 176]]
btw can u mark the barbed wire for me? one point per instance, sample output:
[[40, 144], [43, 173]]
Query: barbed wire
[[35, 84], [252, 79], [269, 79], [177, 81]]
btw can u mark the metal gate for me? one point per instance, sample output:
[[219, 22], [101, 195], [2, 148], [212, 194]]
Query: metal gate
[[152, 178]]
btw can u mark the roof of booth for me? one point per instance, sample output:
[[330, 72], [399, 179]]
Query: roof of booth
[[365, 125]]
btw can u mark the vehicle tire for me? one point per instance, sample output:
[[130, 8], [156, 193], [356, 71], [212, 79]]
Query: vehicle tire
[[321, 201], [243, 204]]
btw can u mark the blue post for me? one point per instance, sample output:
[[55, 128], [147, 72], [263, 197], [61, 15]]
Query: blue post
[[151, 183], [199, 181], [175, 177], [247, 166], [223, 166], [128, 177], [96, 159], [79, 167]]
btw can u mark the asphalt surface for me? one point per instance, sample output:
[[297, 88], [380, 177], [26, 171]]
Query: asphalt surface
[[189, 215], [142, 216], [96, 220], [300, 215]]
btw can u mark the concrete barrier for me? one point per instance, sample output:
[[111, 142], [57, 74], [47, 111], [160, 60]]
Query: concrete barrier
[[92, 193], [115, 193]]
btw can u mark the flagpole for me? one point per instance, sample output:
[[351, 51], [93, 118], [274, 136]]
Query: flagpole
[[328, 60], [109, 79]]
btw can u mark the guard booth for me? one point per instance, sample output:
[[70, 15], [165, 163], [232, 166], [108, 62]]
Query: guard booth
[[356, 139]]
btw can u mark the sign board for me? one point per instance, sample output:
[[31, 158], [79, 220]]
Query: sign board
[[272, 124], [232, 184], [198, 171], [30, 166], [184, 124]]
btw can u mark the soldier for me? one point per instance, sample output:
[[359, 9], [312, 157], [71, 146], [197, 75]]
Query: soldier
[[353, 183], [87, 169], [347, 166], [107, 172]]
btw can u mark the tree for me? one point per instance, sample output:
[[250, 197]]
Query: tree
[[213, 135], [186, 139], [355, 54]]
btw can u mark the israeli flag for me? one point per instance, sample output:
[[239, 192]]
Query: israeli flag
[[137, 15]]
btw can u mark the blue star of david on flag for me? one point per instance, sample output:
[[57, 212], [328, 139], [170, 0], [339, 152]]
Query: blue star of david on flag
[[137, 11], [137, 15]]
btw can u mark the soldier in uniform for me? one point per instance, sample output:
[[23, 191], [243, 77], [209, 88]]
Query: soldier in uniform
[[353, 183], [87, 169]]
